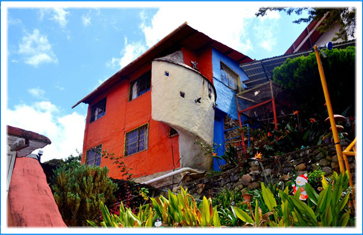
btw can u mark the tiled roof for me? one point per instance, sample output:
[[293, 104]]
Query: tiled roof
[[261, 71]]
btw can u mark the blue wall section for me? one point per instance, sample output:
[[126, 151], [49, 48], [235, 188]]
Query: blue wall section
[[217, 57], [225, 99], [225, 96], [226, 103], [219, 139]]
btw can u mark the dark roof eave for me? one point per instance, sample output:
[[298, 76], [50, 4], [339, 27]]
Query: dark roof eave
[[14, 131]]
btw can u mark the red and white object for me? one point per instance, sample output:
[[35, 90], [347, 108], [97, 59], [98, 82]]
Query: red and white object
[[301, 180]]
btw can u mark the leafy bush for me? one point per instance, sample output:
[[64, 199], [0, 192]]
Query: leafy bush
[[315, 177], [301, 81], [231, 156], [328, 208], [182, 210], [79, 192], [50, 166], [126, 218], [130, 194], [176, 211], [227, 197], [291, 135]]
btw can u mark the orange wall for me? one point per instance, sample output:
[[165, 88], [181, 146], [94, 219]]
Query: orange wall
[[188, 56], [122, 116], [204, 60], [205, 64]]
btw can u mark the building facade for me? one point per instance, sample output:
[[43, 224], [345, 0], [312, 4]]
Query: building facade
[[160, 109]]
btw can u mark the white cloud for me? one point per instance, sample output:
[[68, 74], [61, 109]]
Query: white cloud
[[65, 132], [128, 54], [14, 21], [59, 87], [268, 44], [42, 12], [86, 20], [270, 15], [226, 23], [36, 49], [37, 92], [113, 63], [247, 46], [265, 33], [59, 16], [131, 52]]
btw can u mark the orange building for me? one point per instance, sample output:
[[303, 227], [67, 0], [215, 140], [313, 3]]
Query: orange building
[[154, 110]]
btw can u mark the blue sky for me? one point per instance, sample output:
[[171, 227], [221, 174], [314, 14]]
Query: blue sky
[[56, 56]]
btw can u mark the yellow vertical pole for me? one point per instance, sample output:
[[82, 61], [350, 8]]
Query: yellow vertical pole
[[350, 180], [330, 111]]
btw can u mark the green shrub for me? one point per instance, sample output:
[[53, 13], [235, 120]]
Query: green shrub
[[329, 208], [178, 210], [126, 217], [227, 197], [79, 192]]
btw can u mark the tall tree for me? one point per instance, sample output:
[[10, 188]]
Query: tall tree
[[344, 17]]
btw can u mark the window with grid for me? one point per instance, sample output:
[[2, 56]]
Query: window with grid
[[93, 156], [98, 110], [136, 140], [140, 85], [229, 77]]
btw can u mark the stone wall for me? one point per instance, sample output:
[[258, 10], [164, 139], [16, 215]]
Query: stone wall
[[277, 169]]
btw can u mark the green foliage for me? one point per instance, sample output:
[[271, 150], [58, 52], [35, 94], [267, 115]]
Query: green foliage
[[314, 178], [257, 218], [207, 149], [269, 208], [144, 192], [182, 210], [50, 166], [345, 17], [228, 217], [126, 217], [176, 211], [328, 208], [227, 197], [231, 156], [292, 134], [300, 80], [260, 142], [71, 161], [79, 192]]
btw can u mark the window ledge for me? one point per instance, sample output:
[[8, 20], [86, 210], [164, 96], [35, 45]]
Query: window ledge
[[140, 95], [136, 153]]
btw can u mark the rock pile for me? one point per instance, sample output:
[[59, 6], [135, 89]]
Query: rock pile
[[277, 168]]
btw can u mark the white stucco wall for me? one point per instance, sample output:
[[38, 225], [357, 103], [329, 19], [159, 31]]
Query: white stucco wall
[[192, 120], [328, 36]]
